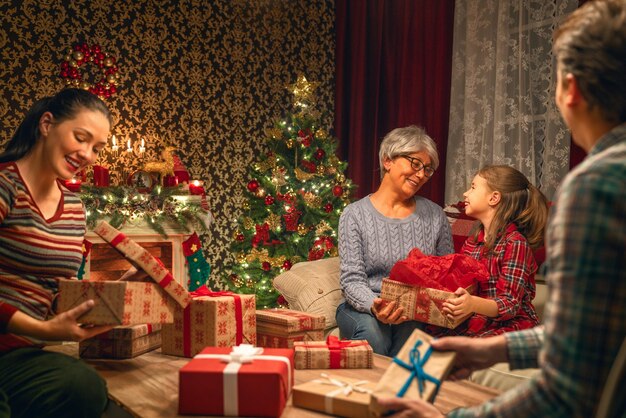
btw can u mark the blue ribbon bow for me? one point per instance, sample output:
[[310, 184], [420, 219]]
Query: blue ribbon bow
[[417, 370]]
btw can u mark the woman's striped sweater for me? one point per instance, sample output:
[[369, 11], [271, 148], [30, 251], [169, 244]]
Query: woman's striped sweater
[[34, 252]]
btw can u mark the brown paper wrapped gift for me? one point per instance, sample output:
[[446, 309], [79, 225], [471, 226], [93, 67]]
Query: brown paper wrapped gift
[[145, 261], [117, 303], [401, 381], [281, 328], [212, 319], [333, 354], [122, 342], [422, 304], [335, 395]]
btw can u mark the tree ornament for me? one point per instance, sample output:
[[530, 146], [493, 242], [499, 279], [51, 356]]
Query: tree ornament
[[337, 191], [260, 193], [105, 84], [291, 220], [302, 230], [199, 268], [253, 185], [269, 200], [320, 170], [319, 154], [321, 134], [287, 265], [266, 266], [328, 207], [240, 237], [273, 220], [303, 91]]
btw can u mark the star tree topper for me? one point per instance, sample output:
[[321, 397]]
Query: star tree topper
[[303, 91]]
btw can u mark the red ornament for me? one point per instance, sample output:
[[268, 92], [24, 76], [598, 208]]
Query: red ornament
[[82, 54], [319, 154], [240, 237], [266, 266], [328, 207], [253, 185], [287, 265], [306, 137], [269, 200], [291, 220], [309, 166], [337, 191]]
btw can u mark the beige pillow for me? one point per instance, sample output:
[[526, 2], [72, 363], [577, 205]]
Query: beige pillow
[[312, 286]]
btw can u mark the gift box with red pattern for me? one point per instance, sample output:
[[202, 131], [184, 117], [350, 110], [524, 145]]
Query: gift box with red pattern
[[333, 354], [117, 303], [420, 284], [122, 342], [212, 319], [281, 328], [239, 381]]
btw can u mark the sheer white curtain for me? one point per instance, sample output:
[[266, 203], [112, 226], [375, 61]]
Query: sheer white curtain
[[502, 107]]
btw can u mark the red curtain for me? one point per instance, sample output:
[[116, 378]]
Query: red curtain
[[393, 66]]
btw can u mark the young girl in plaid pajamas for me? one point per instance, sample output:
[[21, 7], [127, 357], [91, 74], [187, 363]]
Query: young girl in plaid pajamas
[[511, 216]]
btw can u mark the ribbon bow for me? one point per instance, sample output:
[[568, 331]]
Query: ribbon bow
[[243, 353], [205, 291], [346, 387], [417, 370]]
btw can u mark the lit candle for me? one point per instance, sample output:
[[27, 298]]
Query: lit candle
[[114, 146], [142, 148], [128, 147], [196, 187], [73, 184]]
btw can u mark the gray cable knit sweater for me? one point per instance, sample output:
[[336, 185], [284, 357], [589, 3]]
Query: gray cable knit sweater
[[370, 244]]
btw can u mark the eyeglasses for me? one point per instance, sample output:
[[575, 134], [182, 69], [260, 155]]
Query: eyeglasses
[[418, 165]]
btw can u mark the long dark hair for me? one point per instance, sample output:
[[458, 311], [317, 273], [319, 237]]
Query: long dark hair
[[64, 105]]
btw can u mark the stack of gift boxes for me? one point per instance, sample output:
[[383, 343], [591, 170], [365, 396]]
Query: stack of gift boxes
[[235, 347]]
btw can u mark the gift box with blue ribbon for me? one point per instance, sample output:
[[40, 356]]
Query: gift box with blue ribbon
[[416, 372]]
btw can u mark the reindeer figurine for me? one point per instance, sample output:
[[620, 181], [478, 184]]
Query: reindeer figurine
[[165, 167]]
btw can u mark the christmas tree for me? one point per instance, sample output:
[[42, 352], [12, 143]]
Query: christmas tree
[[296, 193]]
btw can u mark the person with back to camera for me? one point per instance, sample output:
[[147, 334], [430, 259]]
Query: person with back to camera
[[42, 228], [381, 229], [585, 320], [511, 215]]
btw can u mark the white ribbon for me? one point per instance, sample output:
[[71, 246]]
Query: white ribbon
[[345, 388], [241, 354]]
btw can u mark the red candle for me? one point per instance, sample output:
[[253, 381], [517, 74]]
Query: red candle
[[73, 184], [196, 188], [100, 176], [170, 181]]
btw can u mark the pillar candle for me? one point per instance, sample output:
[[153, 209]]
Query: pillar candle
[[73, 184], [100, 176], [196, 187], [170, 181]]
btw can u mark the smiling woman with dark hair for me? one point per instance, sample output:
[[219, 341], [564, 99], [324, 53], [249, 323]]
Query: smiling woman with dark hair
[[42, 228], [379, 230]]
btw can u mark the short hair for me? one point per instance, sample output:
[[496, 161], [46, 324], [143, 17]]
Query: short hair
[[591, 45], [64, 105], [405, 141]]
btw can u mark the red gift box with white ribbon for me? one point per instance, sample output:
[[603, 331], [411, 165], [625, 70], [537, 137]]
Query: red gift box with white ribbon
[[238, 381]]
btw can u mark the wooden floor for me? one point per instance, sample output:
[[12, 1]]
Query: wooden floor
[[147, 386]]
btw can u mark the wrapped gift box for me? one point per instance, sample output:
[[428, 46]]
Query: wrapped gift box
[[333, 354], [212, 319], [422, 303], [117, 303], [122, 342], [280, 328], [400, 378], [145, 261], [242, 381], [335, 395]]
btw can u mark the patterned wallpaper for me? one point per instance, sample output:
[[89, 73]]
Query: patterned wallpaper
[[207, 77]]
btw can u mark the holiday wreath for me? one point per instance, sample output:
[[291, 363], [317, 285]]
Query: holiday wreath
[[81, 54]]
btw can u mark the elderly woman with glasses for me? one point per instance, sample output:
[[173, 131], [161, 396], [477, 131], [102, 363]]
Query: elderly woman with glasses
[[379, 230]]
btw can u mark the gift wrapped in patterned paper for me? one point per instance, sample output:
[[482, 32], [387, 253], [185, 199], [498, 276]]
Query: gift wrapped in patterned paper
[[416, 372], [212, 319], [420, 284], [280, 328], [335, 395], [333, 354], [242, 381], [117, 302], [122, 342]]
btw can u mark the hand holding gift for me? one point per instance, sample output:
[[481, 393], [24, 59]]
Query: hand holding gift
[[459, 307], [388, 312]]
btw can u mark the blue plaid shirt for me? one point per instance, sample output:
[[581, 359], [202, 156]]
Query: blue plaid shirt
[[585, 318]]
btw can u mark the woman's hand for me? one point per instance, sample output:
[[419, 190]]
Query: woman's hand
[[460, 306], [387, 313], [63, 327], [414, 408]]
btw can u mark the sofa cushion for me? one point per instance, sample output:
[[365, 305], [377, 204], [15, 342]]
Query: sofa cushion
[[313, 287]]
